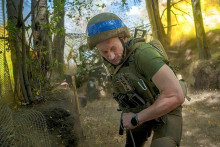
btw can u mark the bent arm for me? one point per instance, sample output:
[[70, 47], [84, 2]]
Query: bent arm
[[171, 95]]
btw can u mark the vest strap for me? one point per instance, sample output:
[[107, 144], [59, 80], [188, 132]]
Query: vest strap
[[127, 56]]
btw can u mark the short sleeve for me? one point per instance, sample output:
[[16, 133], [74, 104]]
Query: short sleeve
[[149, 61]]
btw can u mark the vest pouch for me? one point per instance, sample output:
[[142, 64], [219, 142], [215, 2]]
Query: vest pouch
[[121, 99], [172, 126], [141, 87], [135, 89], [121, 85], [136, 100], [129, 100]]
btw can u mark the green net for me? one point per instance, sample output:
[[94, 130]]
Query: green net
[[5, 82], [17, 127], [23, 128]]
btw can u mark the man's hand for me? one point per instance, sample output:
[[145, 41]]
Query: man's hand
[[126, 120]]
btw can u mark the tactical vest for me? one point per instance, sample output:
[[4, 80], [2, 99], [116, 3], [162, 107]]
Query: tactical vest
[[131, 89], [134, 92]]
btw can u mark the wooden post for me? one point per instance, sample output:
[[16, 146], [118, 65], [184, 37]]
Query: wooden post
[[76, 96], [77, 105]]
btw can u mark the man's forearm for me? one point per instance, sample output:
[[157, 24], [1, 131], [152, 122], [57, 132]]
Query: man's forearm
[[161, 106]]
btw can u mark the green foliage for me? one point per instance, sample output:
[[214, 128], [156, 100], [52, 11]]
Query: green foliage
[[44, 52], [101, 5], [124, 2], [11, 28], [28, 27], [87, 19], [77, 7]]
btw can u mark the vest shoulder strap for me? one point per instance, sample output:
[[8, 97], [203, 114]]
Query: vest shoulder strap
[[134, 47]]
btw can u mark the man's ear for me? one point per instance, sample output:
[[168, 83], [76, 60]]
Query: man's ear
[[124, 39]]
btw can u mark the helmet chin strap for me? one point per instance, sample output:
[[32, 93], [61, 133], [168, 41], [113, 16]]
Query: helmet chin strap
[[123, 54], [124, 50]]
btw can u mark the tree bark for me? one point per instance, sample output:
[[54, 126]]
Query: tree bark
[[155, 21], [41, 38], [19, 67], [25, 75], [12, 11], [59, 38], [202, 45], [169, 28]]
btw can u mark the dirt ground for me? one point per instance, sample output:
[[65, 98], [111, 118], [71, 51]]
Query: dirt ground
[[100, 118], [59, 110], [201, 122], [201, 119]]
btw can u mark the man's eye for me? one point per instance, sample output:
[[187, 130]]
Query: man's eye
[[113, 48]]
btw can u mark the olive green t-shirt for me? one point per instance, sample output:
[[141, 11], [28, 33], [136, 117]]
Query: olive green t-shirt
[[149, 60]]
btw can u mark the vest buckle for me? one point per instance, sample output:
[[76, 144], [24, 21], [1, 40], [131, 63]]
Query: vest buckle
[[142, 84]]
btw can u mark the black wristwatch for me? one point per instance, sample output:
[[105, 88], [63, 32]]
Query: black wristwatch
[[134, 120]]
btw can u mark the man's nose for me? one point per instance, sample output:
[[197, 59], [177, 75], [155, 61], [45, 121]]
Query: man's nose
[[111, 56]]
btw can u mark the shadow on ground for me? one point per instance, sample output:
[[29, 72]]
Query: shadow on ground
[[202, 120], [201, 126]]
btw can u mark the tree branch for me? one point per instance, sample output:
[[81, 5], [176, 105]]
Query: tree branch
[[181, 10], [14, 5], [175, 16], [177, 2], [163, 13], [29, 14], [187, 2]]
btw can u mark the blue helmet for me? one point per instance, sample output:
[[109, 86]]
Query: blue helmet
[[104, 26]]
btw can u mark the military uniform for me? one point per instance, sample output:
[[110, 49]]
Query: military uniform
[[131, 80], [134, 77]]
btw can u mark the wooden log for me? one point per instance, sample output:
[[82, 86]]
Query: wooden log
[[77, 104], [76, 96]]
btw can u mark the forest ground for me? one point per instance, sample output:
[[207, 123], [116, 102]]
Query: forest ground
[[201, 122], [100, 118], [201, 119]]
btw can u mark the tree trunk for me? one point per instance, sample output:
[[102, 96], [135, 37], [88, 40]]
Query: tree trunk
[[155, 21], [12, 7], [59, 38], [17, 45], [25, 75], [202, 45], [169, 28], [41, 38]]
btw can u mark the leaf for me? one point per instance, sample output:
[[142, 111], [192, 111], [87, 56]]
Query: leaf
[[190, 108], [58, 136], [45, 52], [10, 136], [87, 19]]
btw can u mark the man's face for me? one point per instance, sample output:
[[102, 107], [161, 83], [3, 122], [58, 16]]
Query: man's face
[[111, 49]]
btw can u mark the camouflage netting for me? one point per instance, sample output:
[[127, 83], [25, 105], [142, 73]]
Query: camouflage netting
[[5, 82], [6, 126], [22, 128], [17, 127]]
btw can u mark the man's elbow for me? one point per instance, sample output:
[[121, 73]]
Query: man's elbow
[[180, 99]]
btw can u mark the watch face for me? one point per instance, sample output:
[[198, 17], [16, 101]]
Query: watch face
[[134, 121]]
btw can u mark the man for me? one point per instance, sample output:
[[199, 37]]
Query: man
[[144, 84]]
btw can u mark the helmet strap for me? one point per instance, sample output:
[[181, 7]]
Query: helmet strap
[[124, 49]]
